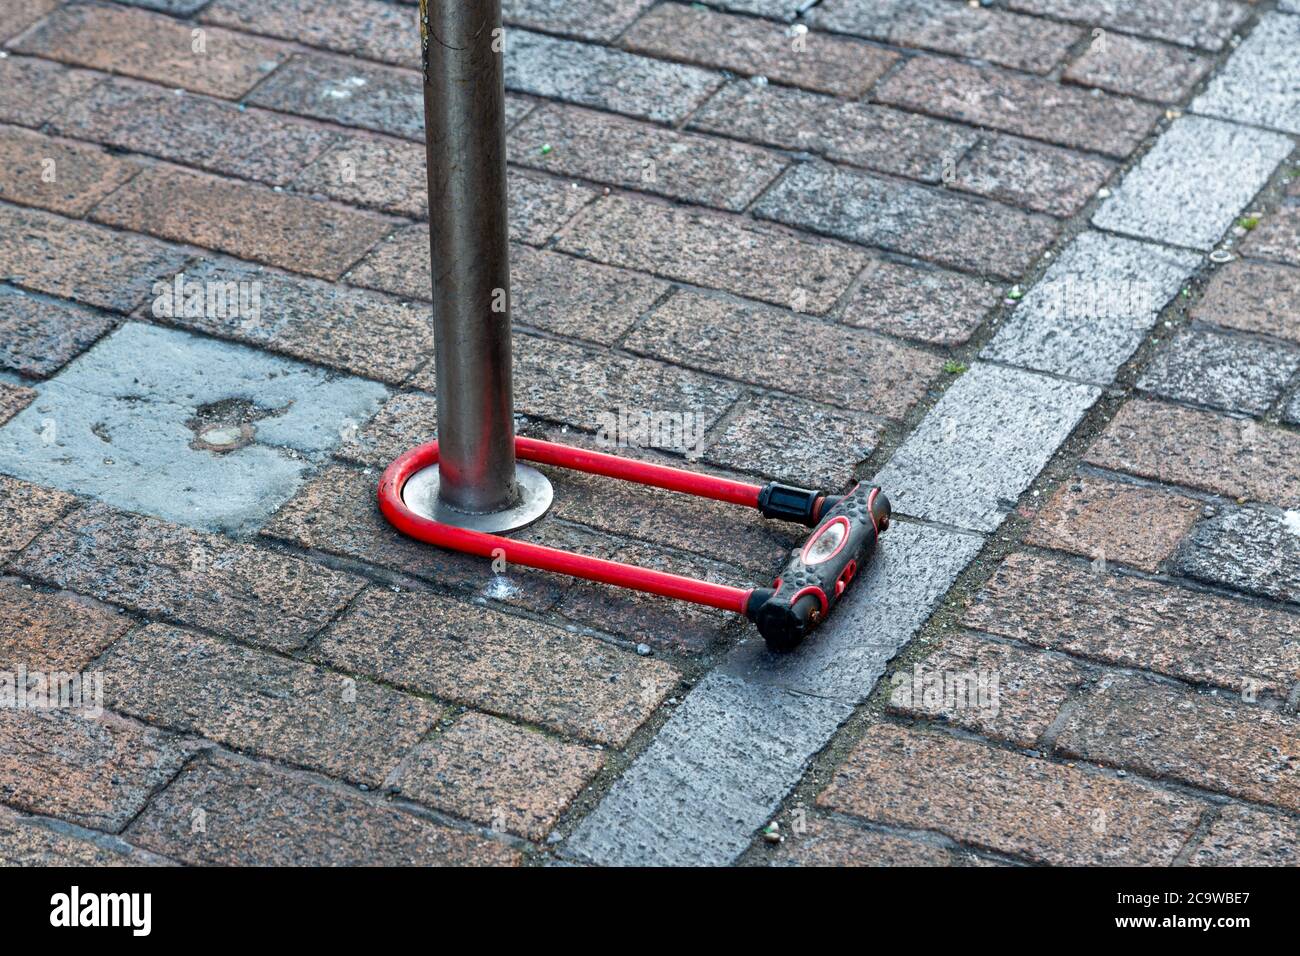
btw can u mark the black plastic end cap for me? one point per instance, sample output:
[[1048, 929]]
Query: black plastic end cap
[[789, 503]]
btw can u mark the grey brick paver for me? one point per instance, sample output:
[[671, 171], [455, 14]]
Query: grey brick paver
[[591, 75], [1232, 372], [916, 220]]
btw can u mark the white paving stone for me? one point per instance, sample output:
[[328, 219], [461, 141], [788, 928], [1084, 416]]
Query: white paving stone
[[1194, 182], [1261, 83], [913, 568], [982, 445], [1090, 311], [714, 774]]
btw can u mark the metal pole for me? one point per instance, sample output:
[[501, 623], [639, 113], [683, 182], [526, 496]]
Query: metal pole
[[464, 117], [477, 482]]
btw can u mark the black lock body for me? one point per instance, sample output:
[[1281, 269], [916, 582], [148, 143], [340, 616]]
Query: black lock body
[[821, 571]]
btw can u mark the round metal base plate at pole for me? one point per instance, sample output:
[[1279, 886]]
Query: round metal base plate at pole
[[420, 494]]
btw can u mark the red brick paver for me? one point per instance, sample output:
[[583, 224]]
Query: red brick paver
[[1003, 801], [226, 811], [204, 580], [154, 47], [1131, 622], [497, 774]]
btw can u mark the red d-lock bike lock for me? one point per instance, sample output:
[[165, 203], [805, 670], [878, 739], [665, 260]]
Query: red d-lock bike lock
[[463, 490]]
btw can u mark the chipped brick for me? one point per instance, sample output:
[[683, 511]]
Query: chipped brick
[[26, 510], [95, 772], [41, 335]]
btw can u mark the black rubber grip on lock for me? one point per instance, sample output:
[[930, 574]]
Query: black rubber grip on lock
[[788, 503], [810, 586]]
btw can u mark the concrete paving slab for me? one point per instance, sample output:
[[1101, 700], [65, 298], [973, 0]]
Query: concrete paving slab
[[200, 432]]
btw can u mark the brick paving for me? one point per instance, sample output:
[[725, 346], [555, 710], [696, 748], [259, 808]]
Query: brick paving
[[961, 247]]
